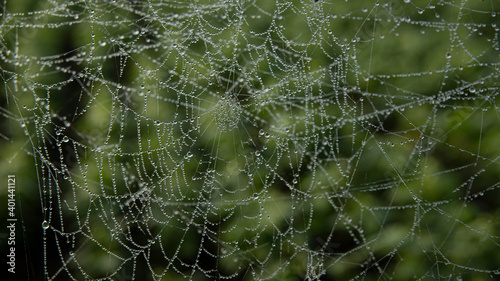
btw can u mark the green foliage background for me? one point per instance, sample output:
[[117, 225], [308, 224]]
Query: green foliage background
[[102, 98]]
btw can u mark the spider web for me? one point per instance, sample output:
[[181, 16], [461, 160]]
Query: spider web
[[256, 140]]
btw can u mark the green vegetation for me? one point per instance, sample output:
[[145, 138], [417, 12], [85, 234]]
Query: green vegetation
[[287, 140]]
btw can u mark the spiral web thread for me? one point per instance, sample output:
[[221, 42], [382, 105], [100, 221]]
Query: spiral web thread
[[259, 140]]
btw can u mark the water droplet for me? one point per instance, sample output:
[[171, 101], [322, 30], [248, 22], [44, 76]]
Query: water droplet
[[45, 224]]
